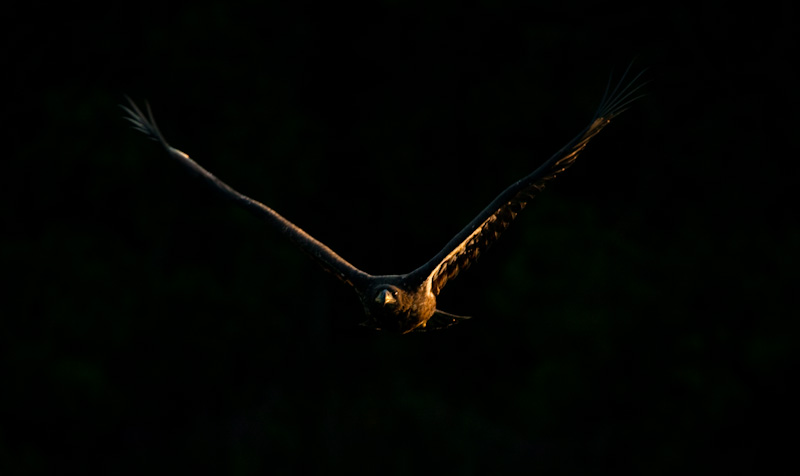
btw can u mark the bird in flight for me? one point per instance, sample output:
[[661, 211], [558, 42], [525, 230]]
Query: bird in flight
[[407, 302]]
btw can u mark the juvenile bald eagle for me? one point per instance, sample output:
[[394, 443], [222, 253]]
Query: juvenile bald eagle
[[407, 302]]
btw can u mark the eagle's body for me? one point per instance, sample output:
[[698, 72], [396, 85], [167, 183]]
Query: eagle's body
[[403, 303]]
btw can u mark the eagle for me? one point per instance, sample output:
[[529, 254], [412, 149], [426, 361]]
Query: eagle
[[403, 303]]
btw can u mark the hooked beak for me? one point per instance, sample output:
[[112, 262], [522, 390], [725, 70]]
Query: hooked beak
[[385, 298]]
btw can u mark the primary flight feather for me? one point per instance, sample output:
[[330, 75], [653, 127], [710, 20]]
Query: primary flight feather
[[407, 302]]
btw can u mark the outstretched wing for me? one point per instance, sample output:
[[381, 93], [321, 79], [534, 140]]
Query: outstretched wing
[[324, 255], [486, 228]]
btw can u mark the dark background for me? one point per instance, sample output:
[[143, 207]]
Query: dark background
[[636, 318]]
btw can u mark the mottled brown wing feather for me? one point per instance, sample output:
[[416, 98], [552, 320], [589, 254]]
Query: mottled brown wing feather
[[329, 260], [487, 227]]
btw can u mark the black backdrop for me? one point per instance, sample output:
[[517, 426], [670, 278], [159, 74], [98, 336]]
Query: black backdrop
[[636, 318]]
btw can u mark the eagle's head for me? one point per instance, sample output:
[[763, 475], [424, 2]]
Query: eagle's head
[[389, 297], [395, 309]]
